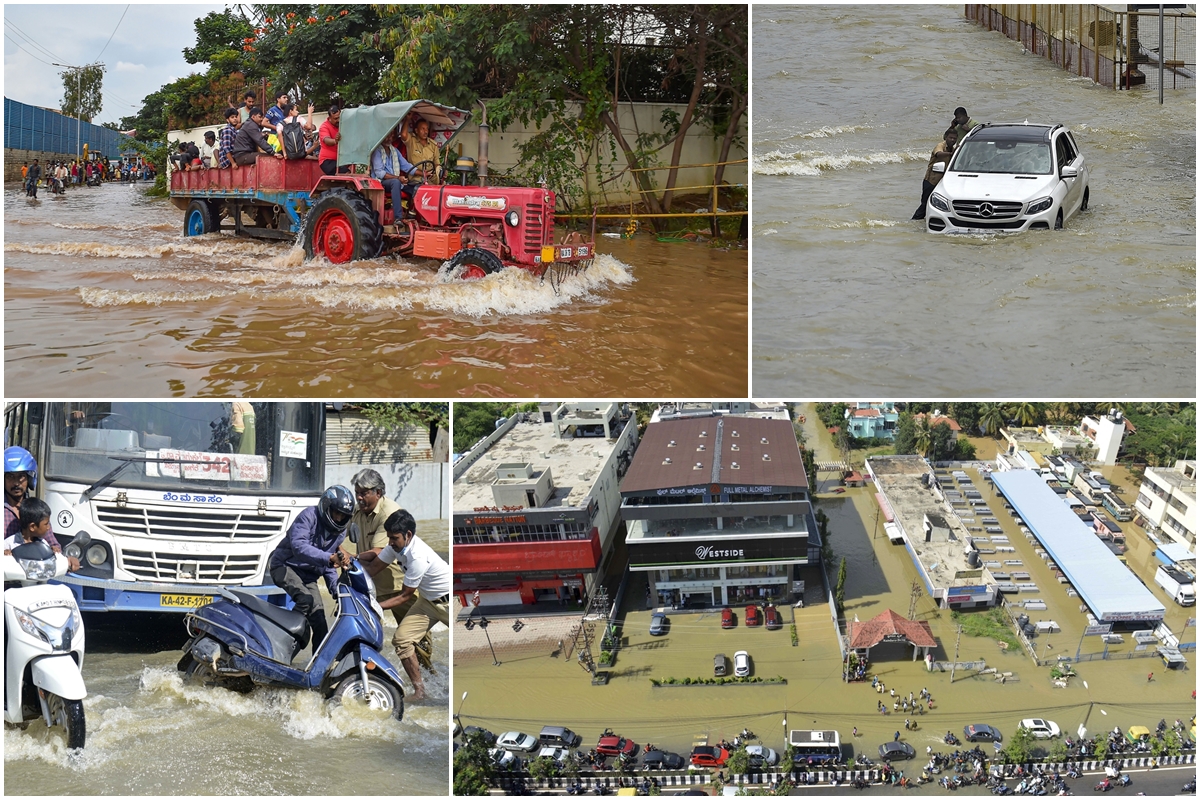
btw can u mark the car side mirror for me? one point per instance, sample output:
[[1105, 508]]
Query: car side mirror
[[939, 167], [1068, 172]]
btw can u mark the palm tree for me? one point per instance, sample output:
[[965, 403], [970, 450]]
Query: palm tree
[[1153, 409], [991, 419], [1025, 414], [923, 435]]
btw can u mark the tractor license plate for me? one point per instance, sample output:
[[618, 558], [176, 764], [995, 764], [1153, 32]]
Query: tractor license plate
[[551, 254], [183, 600]]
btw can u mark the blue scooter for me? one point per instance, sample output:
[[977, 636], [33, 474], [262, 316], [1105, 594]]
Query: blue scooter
[[241, 640]]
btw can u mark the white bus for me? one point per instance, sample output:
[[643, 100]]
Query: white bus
[[815, 747], [179, 498]]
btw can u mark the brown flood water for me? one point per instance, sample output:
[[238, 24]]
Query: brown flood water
[[533, 686], [104, 296]]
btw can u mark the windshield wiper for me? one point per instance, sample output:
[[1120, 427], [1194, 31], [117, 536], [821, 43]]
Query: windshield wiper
[[109, 479]]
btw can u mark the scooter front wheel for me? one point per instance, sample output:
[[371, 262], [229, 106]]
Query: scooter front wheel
[[378, 694], [69, 714]]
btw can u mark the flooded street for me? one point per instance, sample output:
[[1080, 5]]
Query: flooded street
[[102, 290], [149, 733], [850, 294]]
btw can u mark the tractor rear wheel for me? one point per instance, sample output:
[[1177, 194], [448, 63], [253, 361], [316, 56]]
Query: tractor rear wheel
[[476, 263], [342, 227], [199, 219]]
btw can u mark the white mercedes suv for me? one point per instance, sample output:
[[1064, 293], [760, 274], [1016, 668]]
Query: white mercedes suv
[[1009, 177]]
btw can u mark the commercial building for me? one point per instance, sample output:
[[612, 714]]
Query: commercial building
[[717, 510], [536, 505], [765, 409], [931, 513], [1167, 502]]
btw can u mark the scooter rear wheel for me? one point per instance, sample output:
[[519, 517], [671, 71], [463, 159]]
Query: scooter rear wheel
[[379, 694], [69, 714]]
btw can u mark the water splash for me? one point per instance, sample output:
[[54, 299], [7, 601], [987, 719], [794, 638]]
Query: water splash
[[809, 163]]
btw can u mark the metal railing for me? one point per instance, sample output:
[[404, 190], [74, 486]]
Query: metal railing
[[1118, 49]]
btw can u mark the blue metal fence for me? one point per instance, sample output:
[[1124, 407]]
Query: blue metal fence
[[31, 128]]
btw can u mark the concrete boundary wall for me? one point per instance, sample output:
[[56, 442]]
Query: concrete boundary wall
[[420, 488]]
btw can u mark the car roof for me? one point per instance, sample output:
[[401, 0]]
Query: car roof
[[1014, 131]]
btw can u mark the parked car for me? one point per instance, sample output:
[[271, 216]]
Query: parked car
[[720, 665], [709, 756], [488, 736], [661, 759], [774, 618], [504, 759], [558, 754], [768, 756], [616, 746], [515, 740], [741, 663], [1010, 177], [728, 618], [753, 617], [982, 733], [896, 751], [658, 623], [1041, 728], [559, 736]]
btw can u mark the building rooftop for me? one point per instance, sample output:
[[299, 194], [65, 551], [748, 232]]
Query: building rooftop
[[1175, 478], [938, 419], [766, 409], [898, 478], [574, 462], [712, 450], [1024, 434]]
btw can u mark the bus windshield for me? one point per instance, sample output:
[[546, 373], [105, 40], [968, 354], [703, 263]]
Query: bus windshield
[[236, 447]]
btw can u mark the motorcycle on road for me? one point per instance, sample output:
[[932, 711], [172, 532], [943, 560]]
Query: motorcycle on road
[[43, 641], [241, 640]]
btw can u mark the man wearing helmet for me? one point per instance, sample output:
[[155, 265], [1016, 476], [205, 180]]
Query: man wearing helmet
[[20, 475], [310, 551]]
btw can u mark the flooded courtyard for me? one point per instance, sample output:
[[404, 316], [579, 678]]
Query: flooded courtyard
[[103, 290]]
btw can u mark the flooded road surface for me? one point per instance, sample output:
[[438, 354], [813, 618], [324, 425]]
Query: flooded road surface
[[850, 295], [148, 733], [103, 294]]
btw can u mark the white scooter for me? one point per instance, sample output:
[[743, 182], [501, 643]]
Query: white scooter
[[43, 641]]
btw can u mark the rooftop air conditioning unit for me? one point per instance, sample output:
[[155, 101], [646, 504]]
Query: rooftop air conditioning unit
[[766, 457], [764, 440], [666, 461], [699, 465], [734, 465]]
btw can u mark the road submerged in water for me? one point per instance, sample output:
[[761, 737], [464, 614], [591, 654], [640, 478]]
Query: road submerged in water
[[102, 289]]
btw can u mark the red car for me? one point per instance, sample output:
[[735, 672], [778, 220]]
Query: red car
[[728, 618], [616, 746], [709, 756], [774, 620], [753, 618]]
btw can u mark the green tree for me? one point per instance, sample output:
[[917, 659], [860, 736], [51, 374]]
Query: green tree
[[965, 449], [966, 415], [543, 767], [431, 416], [1058, 751], [221, 43], [942, 444], [810, 471], [83, 95], [474, 421], [1026, 413], [839, 594], [905, 443], [923, 435], [788, 762], [1101, 752], [474, 769], [1019, 748], [992, 419], [738, 763]]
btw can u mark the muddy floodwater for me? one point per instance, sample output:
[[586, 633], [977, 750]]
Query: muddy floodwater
[[104, 296], [851, 295], [149, 733]]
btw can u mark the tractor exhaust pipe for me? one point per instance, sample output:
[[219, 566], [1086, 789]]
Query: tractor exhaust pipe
[[482, 167]]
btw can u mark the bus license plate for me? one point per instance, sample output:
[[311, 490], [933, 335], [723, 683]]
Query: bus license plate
[[183, 600]]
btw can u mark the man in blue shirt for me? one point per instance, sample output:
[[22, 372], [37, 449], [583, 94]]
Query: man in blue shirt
[[277, 112], [391, 169], [225, 140], [310, 551]]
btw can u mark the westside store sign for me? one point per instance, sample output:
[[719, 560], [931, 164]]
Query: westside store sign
[[721, 551]]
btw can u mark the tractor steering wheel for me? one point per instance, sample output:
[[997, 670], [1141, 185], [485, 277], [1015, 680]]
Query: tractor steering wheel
[[431, 167]]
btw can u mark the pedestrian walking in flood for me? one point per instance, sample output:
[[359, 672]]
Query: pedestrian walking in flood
[[1150, 677], [896, 738]]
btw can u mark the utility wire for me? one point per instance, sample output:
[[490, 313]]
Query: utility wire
[[22, 49], [31, 40], [114, 33]]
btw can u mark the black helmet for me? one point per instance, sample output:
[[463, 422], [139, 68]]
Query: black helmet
[[335, 508]]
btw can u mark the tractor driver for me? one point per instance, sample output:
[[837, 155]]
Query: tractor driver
[[420, 147], [392, 169]]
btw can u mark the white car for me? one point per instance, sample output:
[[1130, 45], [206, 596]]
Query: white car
[[1041, 728], [741, 663], [558, 754], [503, 758], [1009, 177], [515, 740], [770, 757]]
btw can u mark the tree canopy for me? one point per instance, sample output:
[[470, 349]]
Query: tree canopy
[[83, 92]]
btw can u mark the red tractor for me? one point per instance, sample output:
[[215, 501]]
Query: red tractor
[[343, 218]]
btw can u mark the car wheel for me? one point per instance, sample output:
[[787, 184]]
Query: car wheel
[[1086, 194], [1058, 221]]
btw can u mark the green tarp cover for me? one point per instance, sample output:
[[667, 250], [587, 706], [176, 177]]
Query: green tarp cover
[[365, 127]]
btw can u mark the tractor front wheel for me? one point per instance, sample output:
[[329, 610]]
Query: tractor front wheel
[[476, 263], [342, 227]]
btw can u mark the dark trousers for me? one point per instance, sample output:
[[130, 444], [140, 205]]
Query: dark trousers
[[926, 190], [307, 597], [330, 167], [244, 159]]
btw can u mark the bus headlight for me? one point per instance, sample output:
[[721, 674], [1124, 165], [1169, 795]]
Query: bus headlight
[[97, 555]]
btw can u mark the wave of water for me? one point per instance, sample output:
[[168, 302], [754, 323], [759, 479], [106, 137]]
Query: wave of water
[[810, 163], [199, 246], [375, 287]]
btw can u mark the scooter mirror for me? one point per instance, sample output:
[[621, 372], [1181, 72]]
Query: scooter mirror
[[83, 539], [352, 533]]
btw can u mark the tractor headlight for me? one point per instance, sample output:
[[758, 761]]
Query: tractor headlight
[[1040, 205], [512, 218], [938, 202]]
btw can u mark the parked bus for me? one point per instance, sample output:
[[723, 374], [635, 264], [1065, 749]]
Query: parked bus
[[1117, 507], [817, 747], [179, 498]]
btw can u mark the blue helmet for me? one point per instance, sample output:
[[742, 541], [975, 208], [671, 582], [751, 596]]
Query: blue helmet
[[335, 508], [18, 459]]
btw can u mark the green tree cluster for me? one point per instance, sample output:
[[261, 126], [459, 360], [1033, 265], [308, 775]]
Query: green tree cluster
[[474, 768], [475, 421], [83, 95]]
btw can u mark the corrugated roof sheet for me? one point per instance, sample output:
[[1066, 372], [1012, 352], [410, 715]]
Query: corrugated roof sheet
[[351, 439]]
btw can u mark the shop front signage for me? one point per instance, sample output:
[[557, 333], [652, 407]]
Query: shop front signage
[[718, 551]]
